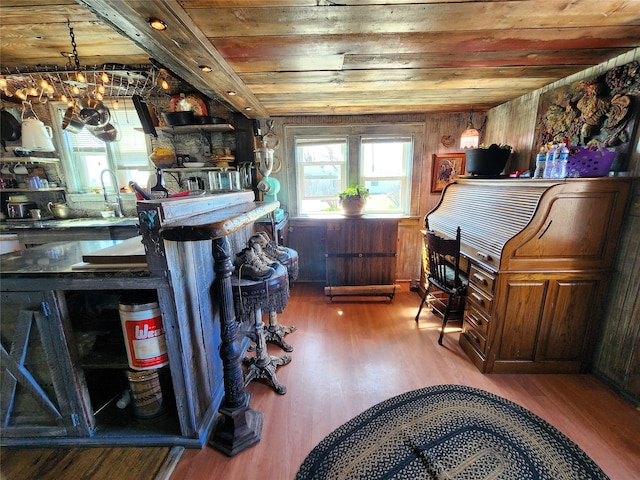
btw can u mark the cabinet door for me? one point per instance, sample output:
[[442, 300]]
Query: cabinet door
[[544, 324], [37, 394], [519, 314], [566, 326], [308, 239], [361, 251]]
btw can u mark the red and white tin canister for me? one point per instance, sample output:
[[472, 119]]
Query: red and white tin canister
[[143, 335]]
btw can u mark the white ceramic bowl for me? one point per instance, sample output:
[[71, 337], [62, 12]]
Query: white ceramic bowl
[[193, 164]]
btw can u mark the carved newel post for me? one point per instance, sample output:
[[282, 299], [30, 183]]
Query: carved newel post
[[238, 426]]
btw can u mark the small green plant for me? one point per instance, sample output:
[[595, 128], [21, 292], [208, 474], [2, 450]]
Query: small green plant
[[355, 191], [494, 146]]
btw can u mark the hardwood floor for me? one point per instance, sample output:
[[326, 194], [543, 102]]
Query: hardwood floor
[[350, 354]]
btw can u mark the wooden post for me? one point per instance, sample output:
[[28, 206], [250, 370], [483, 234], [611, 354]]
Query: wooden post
[[238, 426]]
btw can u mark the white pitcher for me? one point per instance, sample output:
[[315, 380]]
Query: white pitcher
[[36, 136]]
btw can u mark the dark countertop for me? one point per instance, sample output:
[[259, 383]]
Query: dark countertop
[[10, 224], [57, 257]]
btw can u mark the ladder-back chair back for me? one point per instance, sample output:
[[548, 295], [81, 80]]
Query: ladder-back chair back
[[444, 276]]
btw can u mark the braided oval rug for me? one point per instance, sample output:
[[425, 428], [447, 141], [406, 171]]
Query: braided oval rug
[[448, 432]]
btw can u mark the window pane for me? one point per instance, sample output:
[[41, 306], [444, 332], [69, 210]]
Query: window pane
[[127, 156], [383, 158], [386, 172], [386, 196], [321, 173]]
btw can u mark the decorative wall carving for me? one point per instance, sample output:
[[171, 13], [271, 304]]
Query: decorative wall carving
[[601, 112]]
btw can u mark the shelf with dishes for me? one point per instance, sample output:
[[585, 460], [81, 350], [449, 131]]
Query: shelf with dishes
[[214, 127]]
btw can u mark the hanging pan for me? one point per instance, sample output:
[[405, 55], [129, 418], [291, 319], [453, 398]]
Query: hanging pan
[[70, 122], [107, 134], [93, 112]]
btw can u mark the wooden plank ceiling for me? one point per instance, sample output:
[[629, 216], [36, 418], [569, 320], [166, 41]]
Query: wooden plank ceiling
[[313, 57]]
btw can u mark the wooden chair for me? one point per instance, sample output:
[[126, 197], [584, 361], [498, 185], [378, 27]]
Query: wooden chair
[[444, 276]]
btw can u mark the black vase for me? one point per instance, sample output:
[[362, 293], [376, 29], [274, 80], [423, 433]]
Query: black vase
[[486, 161]]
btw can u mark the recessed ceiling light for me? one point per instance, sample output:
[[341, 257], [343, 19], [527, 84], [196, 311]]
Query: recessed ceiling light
[[248, 108], [205, 68], [157, 24], [231, 93]]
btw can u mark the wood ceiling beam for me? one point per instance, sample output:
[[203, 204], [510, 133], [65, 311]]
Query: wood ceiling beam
[[181, 48]]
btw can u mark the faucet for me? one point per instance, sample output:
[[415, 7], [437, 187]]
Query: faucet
[[114, 181]]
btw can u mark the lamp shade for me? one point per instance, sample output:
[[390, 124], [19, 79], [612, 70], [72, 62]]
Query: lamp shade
[[470, 138]]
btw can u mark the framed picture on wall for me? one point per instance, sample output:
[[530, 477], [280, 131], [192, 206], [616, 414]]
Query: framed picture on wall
[[446, 168]]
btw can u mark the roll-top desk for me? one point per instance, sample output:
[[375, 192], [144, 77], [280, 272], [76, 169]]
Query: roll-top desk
[[538, 255]]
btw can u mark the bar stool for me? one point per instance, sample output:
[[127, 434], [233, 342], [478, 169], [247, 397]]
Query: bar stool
[[274, 332], [251, 298]]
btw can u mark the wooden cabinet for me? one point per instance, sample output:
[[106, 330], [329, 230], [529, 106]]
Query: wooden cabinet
[[361, 252], [66, 364], [62, 356], [539, 254]]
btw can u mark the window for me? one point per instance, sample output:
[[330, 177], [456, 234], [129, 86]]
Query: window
[[322, 166], [88, 156], [329, 159], [386, 171]]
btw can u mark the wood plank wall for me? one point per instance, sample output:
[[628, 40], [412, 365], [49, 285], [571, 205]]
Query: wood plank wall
[[617, 358]]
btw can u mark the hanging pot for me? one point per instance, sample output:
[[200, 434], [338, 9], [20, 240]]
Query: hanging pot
[[70, 122], [108, 133], [93, 112]]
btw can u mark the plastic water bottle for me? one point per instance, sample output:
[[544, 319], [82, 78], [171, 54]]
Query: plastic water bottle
[[541, 161], [549, 166], [562, 155]]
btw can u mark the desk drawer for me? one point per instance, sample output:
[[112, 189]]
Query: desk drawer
[[476, 339], [479, 299], [482, 279], [476, 319]]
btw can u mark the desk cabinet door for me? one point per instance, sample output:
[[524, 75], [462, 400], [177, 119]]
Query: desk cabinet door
[[549, 322]]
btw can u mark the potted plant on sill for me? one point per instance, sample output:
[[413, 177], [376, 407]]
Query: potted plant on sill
[[487, 160], [353, 200]]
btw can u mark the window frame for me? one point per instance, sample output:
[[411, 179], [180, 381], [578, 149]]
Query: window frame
[[76, 174], [355, 133]]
